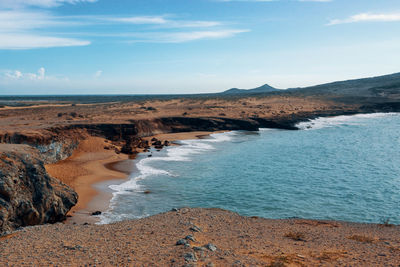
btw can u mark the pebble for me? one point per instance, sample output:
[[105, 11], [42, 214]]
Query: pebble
[[195, 228], [190, 237], [190, 257], [181, 242], [211, 247]]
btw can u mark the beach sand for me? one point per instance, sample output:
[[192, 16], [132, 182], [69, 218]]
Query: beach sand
[[90, 164]]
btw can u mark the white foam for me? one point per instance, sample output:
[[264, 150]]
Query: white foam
[[326, 122], [183, 152]]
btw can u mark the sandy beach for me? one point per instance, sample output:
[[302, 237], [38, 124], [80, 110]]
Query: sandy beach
[[93, 163], [90, 163]]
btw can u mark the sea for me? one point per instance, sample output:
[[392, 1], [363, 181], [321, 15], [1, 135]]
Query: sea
[[339, 168]]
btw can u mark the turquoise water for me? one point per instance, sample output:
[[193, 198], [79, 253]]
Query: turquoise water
[[342, 168]]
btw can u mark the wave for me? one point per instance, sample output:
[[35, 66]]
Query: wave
[[185, 151], [327, 122]]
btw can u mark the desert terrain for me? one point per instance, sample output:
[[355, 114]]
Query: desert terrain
[[56, 148]]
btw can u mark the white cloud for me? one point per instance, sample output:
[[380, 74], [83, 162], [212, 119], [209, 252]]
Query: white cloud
[[181, 37], [31, 41], [18, 75], [19, 30], [162, 21], [367, 17], [31, 28], [15, 75], [141, 20], [39, 3], [98, 74]]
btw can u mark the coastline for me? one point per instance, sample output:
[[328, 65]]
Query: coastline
[[86, 167], [92, 168]]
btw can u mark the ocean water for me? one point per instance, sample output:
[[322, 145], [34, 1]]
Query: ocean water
[[341, 168]]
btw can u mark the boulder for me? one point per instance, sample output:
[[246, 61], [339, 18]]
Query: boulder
[[28, 195]]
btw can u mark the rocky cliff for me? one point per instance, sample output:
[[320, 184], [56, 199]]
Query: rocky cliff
[[28, 195]]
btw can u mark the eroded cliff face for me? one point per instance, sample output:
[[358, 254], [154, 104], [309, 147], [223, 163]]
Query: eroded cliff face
[[28, 195]]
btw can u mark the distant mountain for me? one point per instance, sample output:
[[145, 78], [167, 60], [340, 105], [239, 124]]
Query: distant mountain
[[380, 86], [262, 89], [387, 86]]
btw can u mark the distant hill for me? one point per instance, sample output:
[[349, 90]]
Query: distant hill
[[262, 89], [380, 86], [387, 86]]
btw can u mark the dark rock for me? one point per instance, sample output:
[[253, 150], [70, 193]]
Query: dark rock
[[28, 195], [195, 228], [96, 213], [181, 242], [174, 209], [190, 257], [211, 247], [190, 237]]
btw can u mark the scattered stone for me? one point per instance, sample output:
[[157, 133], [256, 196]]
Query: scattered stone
[[195, 228], [199, 249], [190, 257], [190, 237], [96, 213], [174, 209], [72, 247], [211, 247], [181, 242]]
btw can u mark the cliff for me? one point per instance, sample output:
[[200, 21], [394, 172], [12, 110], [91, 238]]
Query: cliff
[[28, 195]]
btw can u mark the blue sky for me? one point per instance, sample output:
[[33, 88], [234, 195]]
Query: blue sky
[[192, 46]]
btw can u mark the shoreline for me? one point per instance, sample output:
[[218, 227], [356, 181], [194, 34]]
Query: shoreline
[[92, 168], [116, 168], [82, 170]]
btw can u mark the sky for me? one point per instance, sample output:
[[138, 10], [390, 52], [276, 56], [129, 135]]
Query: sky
[[192, 46]]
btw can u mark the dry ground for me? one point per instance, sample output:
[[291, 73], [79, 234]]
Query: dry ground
[[240, 241]]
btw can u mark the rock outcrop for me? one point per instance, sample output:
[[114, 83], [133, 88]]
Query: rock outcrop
[[28, 195]]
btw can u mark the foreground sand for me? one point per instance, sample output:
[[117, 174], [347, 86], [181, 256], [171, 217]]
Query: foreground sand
[[240, 241]]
